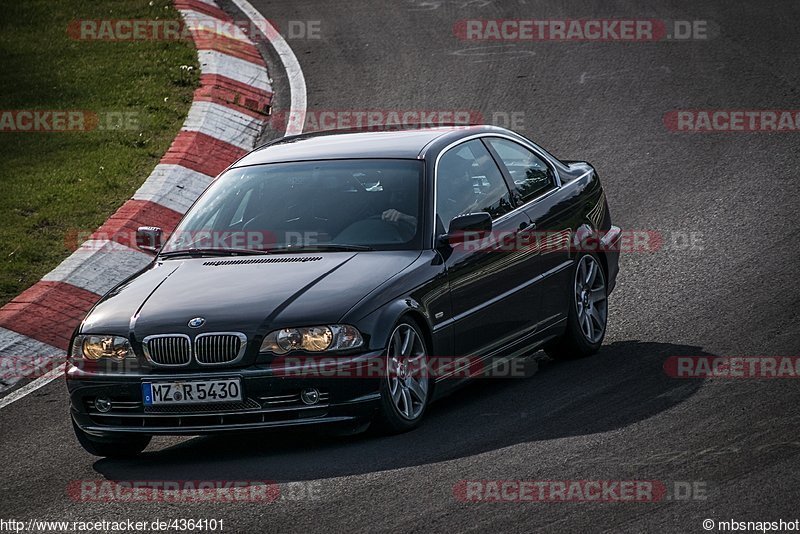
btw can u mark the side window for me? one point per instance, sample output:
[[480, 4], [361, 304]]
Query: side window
[[530, 173], [469, 181]]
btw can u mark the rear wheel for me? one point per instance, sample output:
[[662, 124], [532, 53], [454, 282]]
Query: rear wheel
[[122, 447], [588, 312], [406, 388]]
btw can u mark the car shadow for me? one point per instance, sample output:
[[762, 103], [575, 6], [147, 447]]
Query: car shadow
[[623, 384]]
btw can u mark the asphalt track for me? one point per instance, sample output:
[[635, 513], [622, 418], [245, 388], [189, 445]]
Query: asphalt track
[[616, 416]]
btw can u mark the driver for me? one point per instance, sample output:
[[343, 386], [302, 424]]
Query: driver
[[401, 201]]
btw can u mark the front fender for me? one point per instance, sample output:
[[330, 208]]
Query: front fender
[[379, 324], [603, 243]]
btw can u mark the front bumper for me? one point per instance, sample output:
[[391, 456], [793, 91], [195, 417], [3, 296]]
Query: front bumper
[[610, 244], [271, 399]]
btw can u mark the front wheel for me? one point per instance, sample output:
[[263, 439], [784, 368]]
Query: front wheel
[[406, 388], [588, 312], [122, 447]]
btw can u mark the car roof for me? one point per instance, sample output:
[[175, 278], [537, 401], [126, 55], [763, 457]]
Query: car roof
[[405, 144]]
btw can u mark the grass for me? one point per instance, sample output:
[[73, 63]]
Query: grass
[[55, 184]]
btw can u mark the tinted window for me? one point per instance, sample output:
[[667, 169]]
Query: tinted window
[[530, 173], [469, 181], [350, 202]]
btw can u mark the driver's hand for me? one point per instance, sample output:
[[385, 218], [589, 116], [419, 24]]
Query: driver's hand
[[392, 215]]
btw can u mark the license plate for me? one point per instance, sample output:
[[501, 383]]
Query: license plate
[[192, 392]]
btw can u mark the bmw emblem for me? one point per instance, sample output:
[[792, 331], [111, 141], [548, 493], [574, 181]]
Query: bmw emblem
[[197, 322]]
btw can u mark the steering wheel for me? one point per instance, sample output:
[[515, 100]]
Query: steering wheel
[[407, 229]]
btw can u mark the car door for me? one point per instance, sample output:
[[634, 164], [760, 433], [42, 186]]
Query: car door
[[488, 309], [536, 188]]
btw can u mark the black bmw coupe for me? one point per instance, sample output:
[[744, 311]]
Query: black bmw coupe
[[347, 278]]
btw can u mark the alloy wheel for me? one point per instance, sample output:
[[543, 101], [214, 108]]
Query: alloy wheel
[[407, 375], [591, 299]]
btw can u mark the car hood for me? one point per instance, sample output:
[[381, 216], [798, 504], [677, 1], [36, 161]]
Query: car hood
[[247, 294]]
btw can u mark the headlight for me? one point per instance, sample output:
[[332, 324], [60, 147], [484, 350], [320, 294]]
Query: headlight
[[312, 339], [96, 347]]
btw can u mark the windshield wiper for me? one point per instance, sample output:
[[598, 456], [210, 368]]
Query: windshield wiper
[[212, 252], [321, 247]]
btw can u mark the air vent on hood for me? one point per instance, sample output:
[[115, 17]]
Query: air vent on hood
[[249, 261]]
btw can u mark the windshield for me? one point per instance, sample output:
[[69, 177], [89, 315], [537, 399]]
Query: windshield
[[365, 204]]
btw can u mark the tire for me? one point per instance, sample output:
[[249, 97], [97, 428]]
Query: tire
[[122, 447], [588, 302], [404, 384]]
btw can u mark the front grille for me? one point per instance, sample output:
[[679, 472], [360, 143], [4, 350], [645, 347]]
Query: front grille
[[215, 349], [247, 404], [171, 350]]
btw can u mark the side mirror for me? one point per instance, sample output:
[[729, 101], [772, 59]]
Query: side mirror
[[148, 239], [472, 226]]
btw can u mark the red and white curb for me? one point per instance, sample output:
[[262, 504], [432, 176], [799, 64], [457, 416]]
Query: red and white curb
[[226, 117]]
